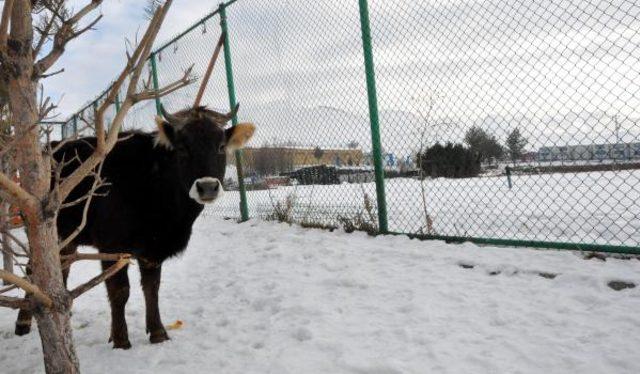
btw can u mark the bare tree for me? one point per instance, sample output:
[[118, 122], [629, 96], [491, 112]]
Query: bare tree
[[516, 144], [318, 153], [486, 146], [426, 126], [33, 36], [6, 168]]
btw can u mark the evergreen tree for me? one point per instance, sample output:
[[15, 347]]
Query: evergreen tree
[[515, 144], [484, 145], [449, 161]]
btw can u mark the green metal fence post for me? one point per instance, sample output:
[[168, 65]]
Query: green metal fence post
[[75, 124], [117, 103], [94, 105], [373, 116], [244, 209], [156, 85]]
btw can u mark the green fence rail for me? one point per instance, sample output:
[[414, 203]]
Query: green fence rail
[[505, 123]]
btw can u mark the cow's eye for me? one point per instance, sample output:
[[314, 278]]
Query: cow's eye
[[221, 148]]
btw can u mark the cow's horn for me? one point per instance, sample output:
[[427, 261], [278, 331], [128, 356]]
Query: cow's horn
[[221, 118], [233, 113], [172, 119]]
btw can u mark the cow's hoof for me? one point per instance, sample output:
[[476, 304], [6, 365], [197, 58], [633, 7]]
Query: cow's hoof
[[124, 344], [158, 336], [22, 329]]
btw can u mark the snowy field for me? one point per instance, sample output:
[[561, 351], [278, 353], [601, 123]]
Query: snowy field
[[263, 297], [595, 207]]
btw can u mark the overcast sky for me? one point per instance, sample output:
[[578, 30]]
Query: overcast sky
[[94, 59], [560, 69]]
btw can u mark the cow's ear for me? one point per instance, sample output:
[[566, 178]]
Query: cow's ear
[[238, 135], [166, 133]]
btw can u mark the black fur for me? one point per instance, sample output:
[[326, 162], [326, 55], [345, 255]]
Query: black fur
[[146, 209]]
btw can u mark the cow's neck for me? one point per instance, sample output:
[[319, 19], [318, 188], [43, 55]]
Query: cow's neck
[[174, 202]]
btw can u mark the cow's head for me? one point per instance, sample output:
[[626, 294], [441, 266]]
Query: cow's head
[[200, 143]]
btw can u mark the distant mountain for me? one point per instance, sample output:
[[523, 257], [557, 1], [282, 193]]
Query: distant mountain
[[280, 123], [331, 127]]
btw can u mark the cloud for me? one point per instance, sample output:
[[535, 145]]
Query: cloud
[[562, 69], [94, 59]]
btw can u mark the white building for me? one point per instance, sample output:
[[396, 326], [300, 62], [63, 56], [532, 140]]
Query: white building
[[598, 152]]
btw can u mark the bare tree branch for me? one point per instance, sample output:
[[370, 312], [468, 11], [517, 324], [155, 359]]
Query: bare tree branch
[[7, 147], [13, 258], [4, 23], [45, 33], [15, 303], [132, 70], [45, 106], [66, 32], [8, 288], [17, 194], [187, 79], [100, 278], [27, 287], [70, 259], [97, 183], [43, 76], [11, 251], [20, 244]]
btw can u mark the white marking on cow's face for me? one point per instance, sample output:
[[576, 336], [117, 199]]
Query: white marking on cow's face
[[206, 190]]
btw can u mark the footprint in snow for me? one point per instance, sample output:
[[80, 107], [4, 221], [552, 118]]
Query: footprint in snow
[[269, 286], [345, 283], [302, 334], [222, 322], [270, 247]]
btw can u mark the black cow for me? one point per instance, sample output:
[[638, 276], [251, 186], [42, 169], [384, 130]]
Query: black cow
[[158, 184]]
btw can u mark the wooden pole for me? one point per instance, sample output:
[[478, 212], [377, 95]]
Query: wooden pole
[[207, 75]]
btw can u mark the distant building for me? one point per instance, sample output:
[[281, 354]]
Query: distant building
[[389, 160], [596, 152], [634, 150], [297, 157], [323, 174], [275, 181], [318, 174], [528, 157], [362, 174]]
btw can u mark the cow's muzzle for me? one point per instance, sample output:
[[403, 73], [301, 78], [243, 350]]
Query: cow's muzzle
[[206, 190]]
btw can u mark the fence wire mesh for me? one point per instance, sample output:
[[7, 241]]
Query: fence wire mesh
[[510, 121]]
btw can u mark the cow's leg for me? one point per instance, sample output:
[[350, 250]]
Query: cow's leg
[[23, 323], [68, 250], [150, 279], [118, 290]]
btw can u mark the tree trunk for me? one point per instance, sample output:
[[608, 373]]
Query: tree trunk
[[34, 168], [7, 258], [54, 325]]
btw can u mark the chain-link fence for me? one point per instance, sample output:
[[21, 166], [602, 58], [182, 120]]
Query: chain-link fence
[[503, 122]]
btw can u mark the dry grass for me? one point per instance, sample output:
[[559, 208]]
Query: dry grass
[[283, 210], [365, 220]]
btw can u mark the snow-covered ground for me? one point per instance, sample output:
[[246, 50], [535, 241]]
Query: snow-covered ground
[[264, 297], [594, 207]]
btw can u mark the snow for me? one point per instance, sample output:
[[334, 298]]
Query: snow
[[593, 207], [263, 297]]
